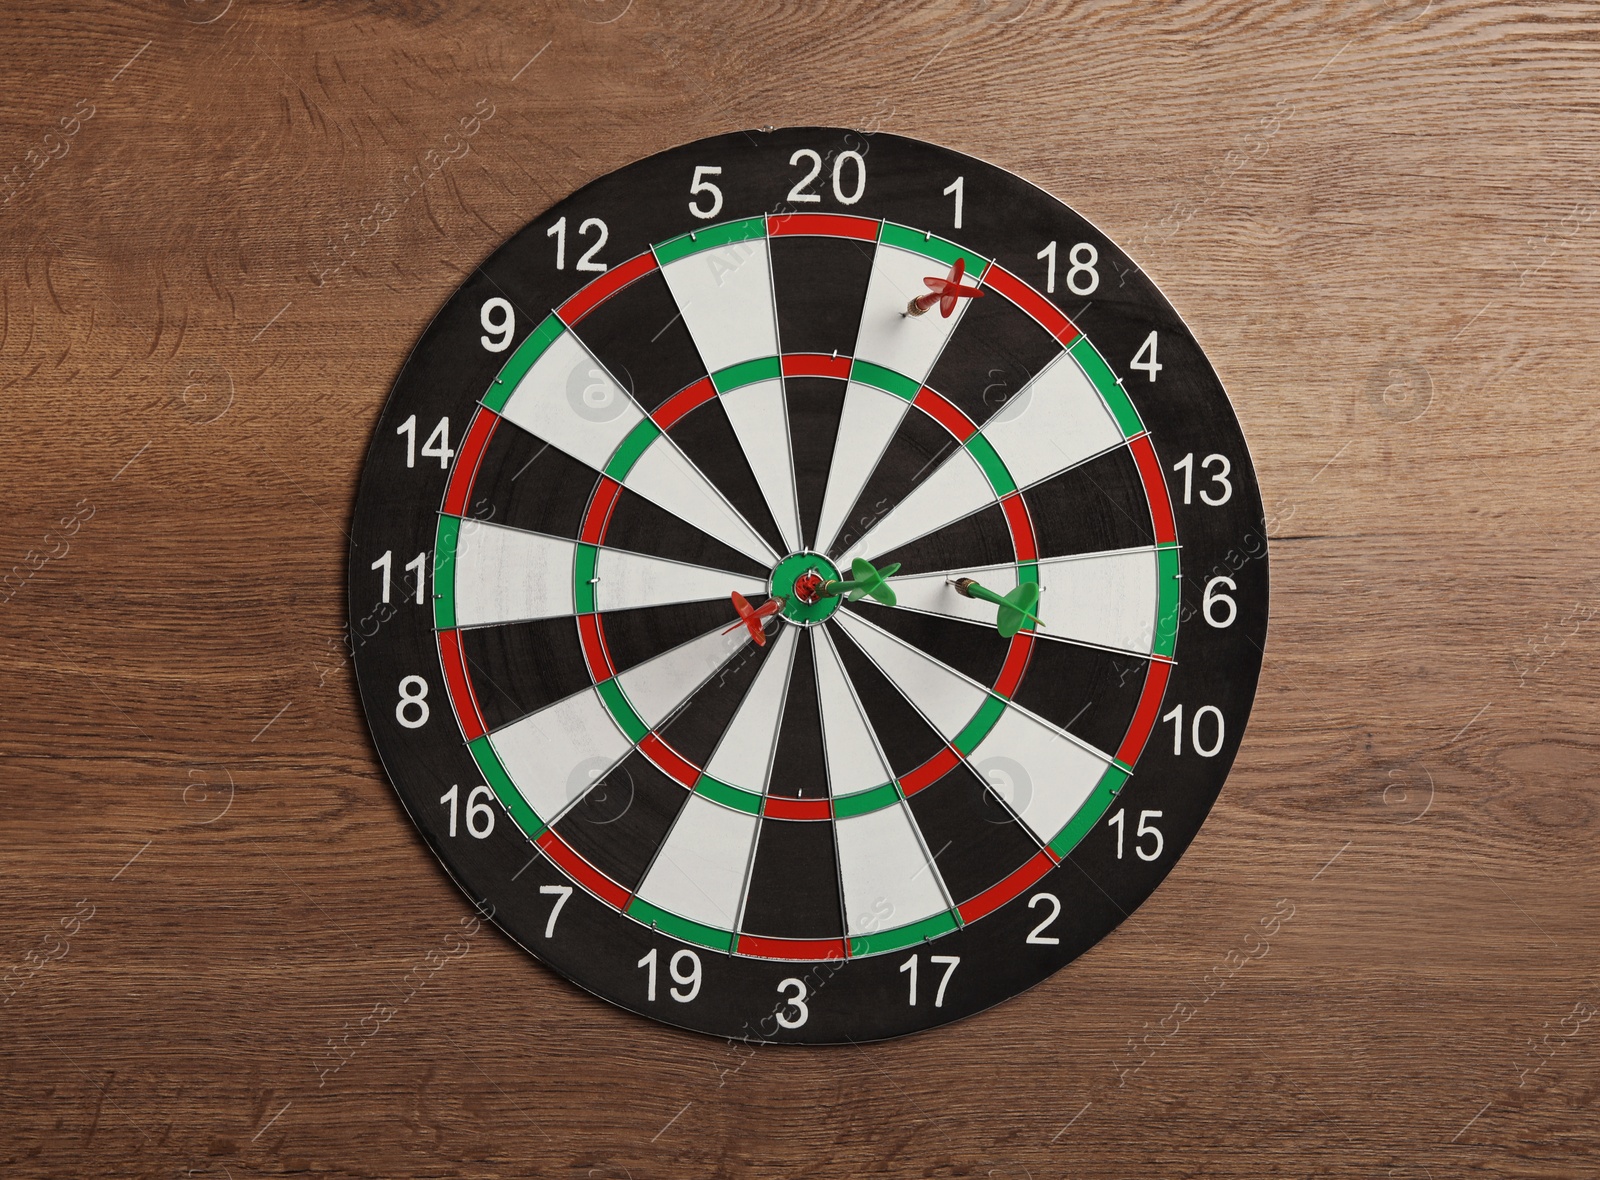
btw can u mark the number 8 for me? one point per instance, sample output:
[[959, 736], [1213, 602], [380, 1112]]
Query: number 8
[[1081, 266], [418, 697]]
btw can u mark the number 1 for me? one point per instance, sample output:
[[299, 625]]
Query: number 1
[[956, 188], [383, 564], [1049, 254]]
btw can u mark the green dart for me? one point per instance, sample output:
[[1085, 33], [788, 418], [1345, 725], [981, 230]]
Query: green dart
[[865, 580], [1016, 607]]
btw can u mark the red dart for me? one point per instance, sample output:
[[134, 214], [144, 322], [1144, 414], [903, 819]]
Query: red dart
[[944, 292], [752, 617]]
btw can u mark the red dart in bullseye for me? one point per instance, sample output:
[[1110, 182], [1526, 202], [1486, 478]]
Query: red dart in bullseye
[[753, 617], [944, 292]]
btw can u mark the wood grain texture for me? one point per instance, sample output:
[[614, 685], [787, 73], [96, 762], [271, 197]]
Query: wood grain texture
[[1380, 218]]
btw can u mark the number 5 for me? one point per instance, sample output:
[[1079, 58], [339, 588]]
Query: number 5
[[700, 185]]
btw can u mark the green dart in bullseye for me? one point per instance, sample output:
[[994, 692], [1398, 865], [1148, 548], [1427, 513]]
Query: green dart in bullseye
[[865, 580], [1016, 607]]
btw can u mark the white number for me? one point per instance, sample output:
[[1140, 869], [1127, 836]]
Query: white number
[[437, 446], [691, 980], [1049, 254], [562, 893], [796, 1001], [1176, 717], [383, 563], [504, 329], [1186, 465], [474, 810], [1084, 265], [650, 986], [587, 261], [558, 231], [956, 188], [418, 697], [1209, 600], [1144, 829], [798, 192], [1038, 935], [418, 563], [861, 178], [910, 967], [409, 429], [701, 185], [1147, 362]]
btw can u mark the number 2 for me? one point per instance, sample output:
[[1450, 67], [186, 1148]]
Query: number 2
[[1037, 935]]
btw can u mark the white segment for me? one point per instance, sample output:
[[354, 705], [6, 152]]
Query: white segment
[[944, 697], [625, 580], [1056, 422], [554, 755], [760, 418], [1109, 599], [934, 594], [887, 879], [659, 685], [854, 763], [744, 755], [665, 477], [956, 487], [505, 574], [725, 295], [569, 400], [699, 872], [888, 336], [866, 425], [1043, 777]]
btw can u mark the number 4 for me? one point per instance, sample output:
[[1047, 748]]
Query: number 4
[[1145, 358]]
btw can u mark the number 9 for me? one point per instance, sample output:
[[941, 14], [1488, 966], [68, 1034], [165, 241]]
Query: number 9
[[503, 325]]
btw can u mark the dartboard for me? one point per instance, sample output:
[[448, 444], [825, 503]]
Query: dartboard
[[808, 586]]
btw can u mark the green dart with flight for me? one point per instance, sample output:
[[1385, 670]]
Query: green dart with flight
[[865, 581], [1016, 607]]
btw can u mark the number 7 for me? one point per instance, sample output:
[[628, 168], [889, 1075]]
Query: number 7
[[563, 892]]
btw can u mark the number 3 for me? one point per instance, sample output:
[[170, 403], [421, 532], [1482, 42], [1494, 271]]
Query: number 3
[[796, 1001]]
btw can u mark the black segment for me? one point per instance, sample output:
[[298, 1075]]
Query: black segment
[[639, 525], [526, 483], [699, 724], [519, 668], [994, 351], [639, 335], [819, 286], [915, 452], [622, 819], [1094, 506], [706, 436], [1087, 692], [794, 882], [815, 407], [971, 543], [907, 740], [799, 765], [973, 649], [634, 636], [975, 841]]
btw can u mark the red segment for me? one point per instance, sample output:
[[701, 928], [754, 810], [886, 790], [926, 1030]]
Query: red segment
[[683, 401], [599, 514], [1144, 717], [828, 225], [1036, 305], [949, 417], [783, 807], [460, 686], [930, 772], [582, 871], [605, 287], [594, 648], [815, 364], [996, 896], [1016, 661], [1021, 527], [676, 766], [467, 460], [811, 949], [1155, 487]]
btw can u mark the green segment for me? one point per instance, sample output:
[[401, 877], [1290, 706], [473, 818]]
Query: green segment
[[504, 790], [764, 368], [1028, 571], [515, 369], [874, 799], [630, 722], [993, 466], [583, 579], [444, 572], [901, 936], [1089, 814], [879, 377], [1167, 586], [985, 719], [630, 448], [931, 247], [694, 932], [720, 792], [782, 586], [1110, 389], [710, 238]]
